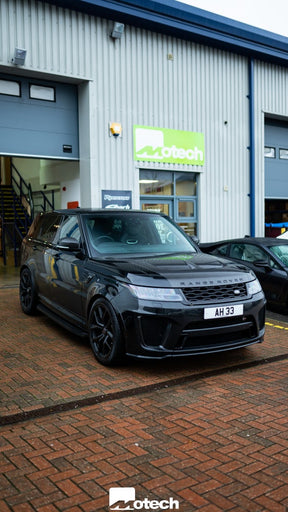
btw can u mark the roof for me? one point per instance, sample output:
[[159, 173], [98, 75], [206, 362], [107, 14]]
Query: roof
[[177, 19], [104, 211], [268, 241]]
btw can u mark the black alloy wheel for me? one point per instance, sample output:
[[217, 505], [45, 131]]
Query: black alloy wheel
[[28, 295], [105, 334]]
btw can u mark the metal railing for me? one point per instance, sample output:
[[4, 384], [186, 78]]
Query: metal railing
[[10, 231], [23, 208], [15, 222], [41, 201], [23, 190]]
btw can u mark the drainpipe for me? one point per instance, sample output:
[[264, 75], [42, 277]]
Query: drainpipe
[[252, 147]]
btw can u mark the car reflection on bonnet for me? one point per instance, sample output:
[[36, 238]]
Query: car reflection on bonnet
[[137, 285]]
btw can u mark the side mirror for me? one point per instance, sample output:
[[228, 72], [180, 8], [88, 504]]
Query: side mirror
[[68, 244], [262, 264]]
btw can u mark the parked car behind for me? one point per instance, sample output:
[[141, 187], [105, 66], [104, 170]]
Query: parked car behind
[[137, 285], [267, 257]]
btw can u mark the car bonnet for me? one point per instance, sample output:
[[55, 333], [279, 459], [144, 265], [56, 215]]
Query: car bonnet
[[180, 270]]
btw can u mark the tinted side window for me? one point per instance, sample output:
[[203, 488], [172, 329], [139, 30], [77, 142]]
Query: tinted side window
[[282, 253], [253, 253], [237, 251], [70, 228], [47, 227], [249, 252], [220, 251], [35, 226]]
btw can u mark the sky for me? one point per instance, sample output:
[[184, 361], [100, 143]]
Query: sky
[[267, 14]]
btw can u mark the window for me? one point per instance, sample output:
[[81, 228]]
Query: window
[[156, 183], [253, 253], [220, 251], [47, 227], [41, 92], [185, 184], [172, 193], [283, 154], [236, 251], [186, 209], [281, 251], [248, 252], [269, 152], [10, 88], [70, 228], [133, 234]]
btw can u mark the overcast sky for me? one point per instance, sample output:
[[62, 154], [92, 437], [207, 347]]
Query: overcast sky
[[271, 15]]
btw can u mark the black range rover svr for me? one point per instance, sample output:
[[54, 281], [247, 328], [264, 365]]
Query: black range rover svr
[[137, 285]]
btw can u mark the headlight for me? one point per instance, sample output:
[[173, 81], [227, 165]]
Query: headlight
[[161, 294], [253, 287]]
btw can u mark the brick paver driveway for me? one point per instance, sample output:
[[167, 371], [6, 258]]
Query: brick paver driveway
[[209, 432]]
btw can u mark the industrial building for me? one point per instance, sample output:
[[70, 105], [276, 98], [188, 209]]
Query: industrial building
[[147, 104]]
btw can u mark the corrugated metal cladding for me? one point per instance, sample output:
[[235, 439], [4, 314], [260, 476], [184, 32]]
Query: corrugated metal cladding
[[154, 80], [56, 40]]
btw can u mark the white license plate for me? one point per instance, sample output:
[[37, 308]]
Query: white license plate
[[223, 311]]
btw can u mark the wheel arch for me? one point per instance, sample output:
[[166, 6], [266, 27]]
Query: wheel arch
[[31, 268], [109, 298], [28, 291], [110, 329]]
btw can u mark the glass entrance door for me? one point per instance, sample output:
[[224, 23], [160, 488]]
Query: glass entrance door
[[173, 193]]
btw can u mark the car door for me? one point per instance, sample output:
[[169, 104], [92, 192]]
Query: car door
[[66, 286], [271, 276], [45, 230]]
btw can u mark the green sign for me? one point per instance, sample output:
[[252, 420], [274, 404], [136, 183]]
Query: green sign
[[168, 146]]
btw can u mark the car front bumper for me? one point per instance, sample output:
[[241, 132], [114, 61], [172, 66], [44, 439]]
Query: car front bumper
[[171, 330]]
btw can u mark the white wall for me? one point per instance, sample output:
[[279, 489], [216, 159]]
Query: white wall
[[65, 175], [70, 192]]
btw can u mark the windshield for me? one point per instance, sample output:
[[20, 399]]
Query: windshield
[[281, 251], [134, 233]]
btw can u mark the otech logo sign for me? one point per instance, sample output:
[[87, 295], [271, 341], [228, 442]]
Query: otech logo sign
[[169, 146], [124, 498]]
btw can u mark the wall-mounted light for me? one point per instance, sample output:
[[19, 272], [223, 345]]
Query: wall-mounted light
[[115, 129], [118, 30], [19, 56]]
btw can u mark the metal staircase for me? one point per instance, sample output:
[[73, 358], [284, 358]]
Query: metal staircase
[[15, 222], [17, 213]]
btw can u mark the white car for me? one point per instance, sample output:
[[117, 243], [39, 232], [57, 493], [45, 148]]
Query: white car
[[283, 235]]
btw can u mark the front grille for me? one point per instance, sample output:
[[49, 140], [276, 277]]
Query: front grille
[[216, 333], [209, 294], [200, 342]]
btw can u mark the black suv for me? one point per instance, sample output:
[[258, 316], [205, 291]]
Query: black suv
[[137, 285]]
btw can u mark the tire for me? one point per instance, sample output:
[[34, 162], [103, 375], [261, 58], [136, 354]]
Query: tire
[[104, 333], [27, 292]]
